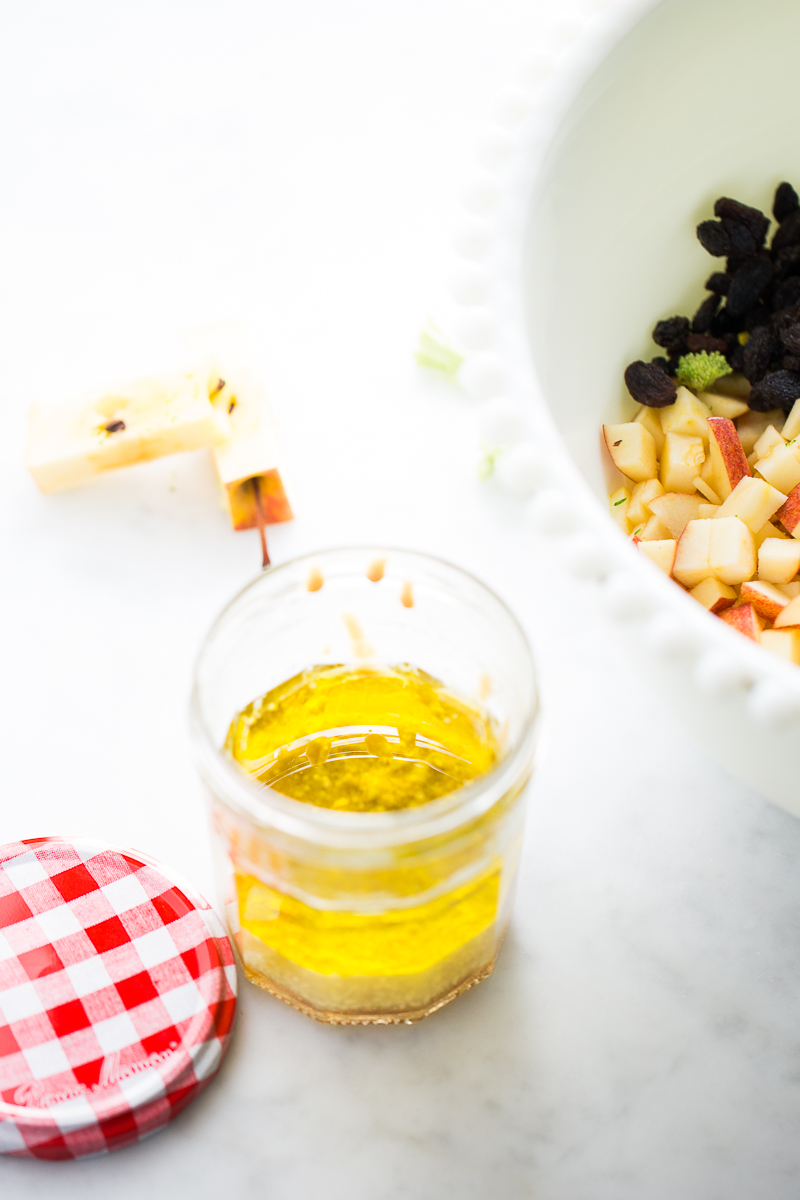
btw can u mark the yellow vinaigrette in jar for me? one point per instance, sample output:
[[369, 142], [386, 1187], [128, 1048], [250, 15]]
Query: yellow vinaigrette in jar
[[369, 740]]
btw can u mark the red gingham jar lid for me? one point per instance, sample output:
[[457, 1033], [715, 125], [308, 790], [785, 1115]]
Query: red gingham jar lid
[[117, 996]]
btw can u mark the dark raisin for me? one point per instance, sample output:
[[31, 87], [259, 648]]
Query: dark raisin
[[752, 218], [790, 336], [786, 201], [705, 314], [790, 362], [662, 364], [724, 323], [748, 285], [735, 357], [787, 262], [758, 315], [761, 347], [718, 283], [650, 385], [743, 244], [787, 294], [778, 389], [714, 238], [703, 341], [671, 334], [115, 427], [788, 232]]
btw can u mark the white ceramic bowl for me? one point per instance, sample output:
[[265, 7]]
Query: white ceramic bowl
[[580, 236]]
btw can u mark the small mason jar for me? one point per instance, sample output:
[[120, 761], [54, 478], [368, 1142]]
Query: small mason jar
[[367, 917]]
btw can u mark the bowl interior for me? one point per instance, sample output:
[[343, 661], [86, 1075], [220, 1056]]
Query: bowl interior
[[699, 100]]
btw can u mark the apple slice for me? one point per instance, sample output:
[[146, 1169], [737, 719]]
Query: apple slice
[[620, 504], [726, 455], [752, 501], [792, 427], [650, 419], [732, 552], [744, 618], [693, 552], [785, 642], [681, 460], [790, 615], [661, 552], [632, 449], [751, 426], [639, 509], [713, 595], [778, 560], [781, 467], [722, 406], [789, 514], [769, 439], [676, 510], [765, 598], [687, 416]]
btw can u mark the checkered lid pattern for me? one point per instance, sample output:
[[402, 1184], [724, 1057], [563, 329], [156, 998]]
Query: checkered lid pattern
[[117, 996]]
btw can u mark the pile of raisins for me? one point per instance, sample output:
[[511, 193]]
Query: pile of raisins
[[757, 294]]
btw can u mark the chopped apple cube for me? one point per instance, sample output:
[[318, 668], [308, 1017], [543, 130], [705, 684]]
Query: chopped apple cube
[[726, 456], [687, 416], [676, 510], [706, 490], [693, 553], [723, 406], [789, 514], [769, 439], [785, 642], [768, 530], [778, 560], [751, 426], [790, 615], [707, 510], [732, 551], [752, 501], [633, 450], [790, 589], [792, 427], [620, 505], [765, 598], [654, 530], [650, 419], [681, 460], [744, 618], [71, 444], [639, 508], [661, 552], [735, 385], [781, 467], [713, 595]]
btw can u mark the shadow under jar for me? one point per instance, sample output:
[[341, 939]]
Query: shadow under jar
[[384, 914]]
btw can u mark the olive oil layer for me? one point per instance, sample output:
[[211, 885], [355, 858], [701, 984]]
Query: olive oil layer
[[362, 739]]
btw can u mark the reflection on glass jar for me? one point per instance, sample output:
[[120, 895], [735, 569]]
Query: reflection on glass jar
[[366, 735]]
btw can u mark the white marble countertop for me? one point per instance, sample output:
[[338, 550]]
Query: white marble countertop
[[299, 162]]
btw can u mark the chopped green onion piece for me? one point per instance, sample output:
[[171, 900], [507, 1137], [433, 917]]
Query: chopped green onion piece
[[436, 352], [622, 501]]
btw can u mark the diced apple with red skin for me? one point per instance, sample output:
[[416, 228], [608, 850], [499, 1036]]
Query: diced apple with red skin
[[662, 553], [713, 595], [632, 449], [726, 455], [789, 514], [744, 618], [732, 551], [687, 416], [765, 598], [693, 553], [639, 510], [785, 642], [778, 560], [752, 501], [789, 615], [681, 460], [781, 467], [676, 510]]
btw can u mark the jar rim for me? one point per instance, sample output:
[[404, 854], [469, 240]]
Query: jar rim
[[266, 807]]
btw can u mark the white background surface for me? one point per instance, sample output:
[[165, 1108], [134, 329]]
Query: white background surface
[[168, 162]]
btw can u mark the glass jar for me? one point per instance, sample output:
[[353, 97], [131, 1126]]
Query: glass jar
[[367, 917]]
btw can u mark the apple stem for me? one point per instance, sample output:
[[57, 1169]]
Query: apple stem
[[261, 523]]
